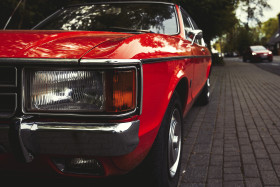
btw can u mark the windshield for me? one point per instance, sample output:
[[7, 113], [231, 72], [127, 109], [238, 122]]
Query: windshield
[[258, 48], [157, 18]]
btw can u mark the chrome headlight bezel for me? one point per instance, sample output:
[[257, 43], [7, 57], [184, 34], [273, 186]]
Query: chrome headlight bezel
[[135, 110]]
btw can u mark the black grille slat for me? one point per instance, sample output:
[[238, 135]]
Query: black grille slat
[[8, 91], [7, 104], [8, 77]]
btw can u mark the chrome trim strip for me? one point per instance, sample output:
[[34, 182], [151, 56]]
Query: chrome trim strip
[[142, 87], [80, 114], [109, 61], [94, 127], [39, 61], [27, 156], [164, 59]]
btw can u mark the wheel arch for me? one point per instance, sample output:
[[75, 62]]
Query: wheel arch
[[182, 89]]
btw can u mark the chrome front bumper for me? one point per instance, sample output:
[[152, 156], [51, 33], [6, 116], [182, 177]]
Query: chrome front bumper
[[28, 139]]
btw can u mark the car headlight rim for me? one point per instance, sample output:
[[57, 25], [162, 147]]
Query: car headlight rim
[[105, 108]]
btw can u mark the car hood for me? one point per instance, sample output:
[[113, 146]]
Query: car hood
[[52, 44]]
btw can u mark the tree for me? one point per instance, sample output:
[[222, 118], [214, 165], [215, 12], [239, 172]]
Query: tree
[[254, 10], [214, 17], [269, 28]]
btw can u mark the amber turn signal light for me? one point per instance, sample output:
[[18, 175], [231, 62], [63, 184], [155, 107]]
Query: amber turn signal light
[[121, 90]]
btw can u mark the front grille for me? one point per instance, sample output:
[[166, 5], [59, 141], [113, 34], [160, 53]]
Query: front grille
[[8, 91], [8, 103], [8, 77]]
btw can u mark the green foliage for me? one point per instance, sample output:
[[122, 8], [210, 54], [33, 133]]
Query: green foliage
[[240, 38], [254, 10], [269, 28], [214, 17]]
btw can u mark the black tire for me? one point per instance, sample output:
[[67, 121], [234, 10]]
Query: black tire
[[244, 59], [163, 163], [204, 97]]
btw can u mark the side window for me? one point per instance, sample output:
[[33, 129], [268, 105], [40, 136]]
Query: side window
[[187, 25]]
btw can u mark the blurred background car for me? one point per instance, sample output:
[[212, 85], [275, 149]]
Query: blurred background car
[[257, 53]]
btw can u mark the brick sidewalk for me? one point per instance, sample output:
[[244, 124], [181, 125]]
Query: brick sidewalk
[[235, 140]]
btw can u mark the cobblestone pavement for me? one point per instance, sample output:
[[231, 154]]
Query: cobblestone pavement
[[235, 140]]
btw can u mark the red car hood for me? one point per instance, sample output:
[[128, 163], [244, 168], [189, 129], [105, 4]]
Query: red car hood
[[51, 44]]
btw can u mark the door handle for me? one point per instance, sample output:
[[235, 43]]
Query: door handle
[[203, 49]]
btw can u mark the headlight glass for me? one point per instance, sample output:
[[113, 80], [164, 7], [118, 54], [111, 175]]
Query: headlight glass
[[106, 91]]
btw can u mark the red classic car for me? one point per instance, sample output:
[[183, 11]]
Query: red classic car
[[95, 90]]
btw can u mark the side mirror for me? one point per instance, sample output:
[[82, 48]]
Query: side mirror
[[195, 34]]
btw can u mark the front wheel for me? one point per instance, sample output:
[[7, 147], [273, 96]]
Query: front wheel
[[162, 165]]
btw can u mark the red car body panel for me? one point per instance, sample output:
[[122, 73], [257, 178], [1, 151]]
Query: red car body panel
[[160, 79], [51, 44]]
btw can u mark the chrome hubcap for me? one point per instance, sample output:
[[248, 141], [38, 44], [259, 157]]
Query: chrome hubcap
[[208, 90], [174, 143]]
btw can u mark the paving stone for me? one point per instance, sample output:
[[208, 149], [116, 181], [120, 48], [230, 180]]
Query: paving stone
[[248, 159], [215, 172], [232, 164], [264, 164], [195, 174], [217, 150], [233, 170], [253, 182], [257, 145], [275, 158], [269, 178], [277, 169], [251, 171], [216, 160], [246, 149], [202, 148], [215, 183], [192, 185], [234, 184], [233, 177], [234, 158], [244, 141], [261, 153], [232, 153], [199, 160]]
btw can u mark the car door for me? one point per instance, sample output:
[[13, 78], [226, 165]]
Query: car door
[[199, 55], [188, 45]]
